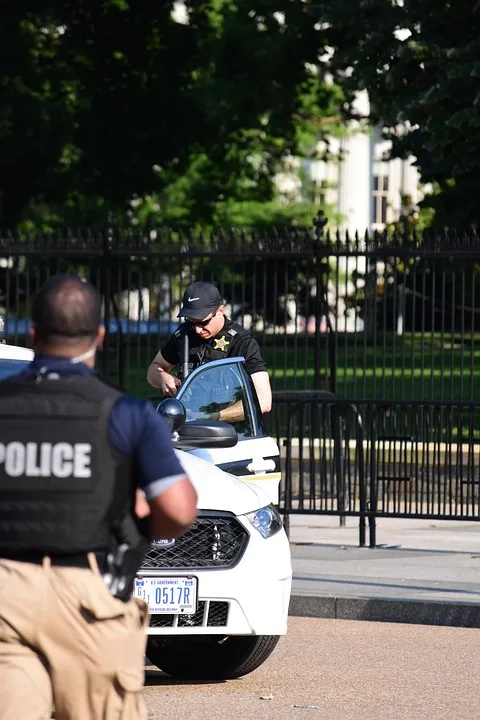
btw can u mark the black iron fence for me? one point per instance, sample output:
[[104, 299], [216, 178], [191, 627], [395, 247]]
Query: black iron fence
[[322, 446], [378, 459], [384, 323], [366, 318]]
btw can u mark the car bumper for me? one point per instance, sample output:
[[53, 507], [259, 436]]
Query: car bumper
[[251, 598]]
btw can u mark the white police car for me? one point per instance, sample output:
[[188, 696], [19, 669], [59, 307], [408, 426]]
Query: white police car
[[13, 359], [219, 595]]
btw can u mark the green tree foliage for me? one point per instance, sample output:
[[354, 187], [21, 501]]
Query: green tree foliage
[[107, 100], [420, 63]]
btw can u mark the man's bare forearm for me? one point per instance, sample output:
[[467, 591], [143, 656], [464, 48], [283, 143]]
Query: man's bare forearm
[[154, 375], [233, 413]]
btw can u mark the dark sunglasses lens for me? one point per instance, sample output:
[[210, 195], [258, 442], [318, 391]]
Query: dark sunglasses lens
[[199, 323], [202, 323]]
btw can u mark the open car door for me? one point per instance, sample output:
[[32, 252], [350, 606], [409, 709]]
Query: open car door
[[226, 384]]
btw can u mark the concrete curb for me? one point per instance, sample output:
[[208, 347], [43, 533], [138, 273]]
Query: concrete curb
[[416, 612]]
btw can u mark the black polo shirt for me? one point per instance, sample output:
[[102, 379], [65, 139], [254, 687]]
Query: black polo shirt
[[231, 341]]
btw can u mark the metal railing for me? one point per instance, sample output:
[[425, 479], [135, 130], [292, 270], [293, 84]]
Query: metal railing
[[410, 459], [319, 476], [389, 326], [373, 317]]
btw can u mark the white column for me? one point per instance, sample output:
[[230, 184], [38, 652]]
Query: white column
[[354, 191]]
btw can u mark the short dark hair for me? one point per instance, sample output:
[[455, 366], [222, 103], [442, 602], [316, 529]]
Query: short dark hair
[[66, 309]]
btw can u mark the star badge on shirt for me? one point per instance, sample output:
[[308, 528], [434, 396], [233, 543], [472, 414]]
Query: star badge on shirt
[[221, 343]]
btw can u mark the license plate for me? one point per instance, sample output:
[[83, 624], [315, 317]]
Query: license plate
[[169, 595]]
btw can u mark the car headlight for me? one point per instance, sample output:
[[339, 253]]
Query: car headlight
[[267, 520]]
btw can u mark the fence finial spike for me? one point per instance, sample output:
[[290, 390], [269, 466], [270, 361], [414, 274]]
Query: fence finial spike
[[319, 224]]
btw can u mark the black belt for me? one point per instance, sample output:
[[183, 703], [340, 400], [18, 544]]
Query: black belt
[[76, 560]]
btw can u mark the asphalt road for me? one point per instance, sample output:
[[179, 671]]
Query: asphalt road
[[340, 670]]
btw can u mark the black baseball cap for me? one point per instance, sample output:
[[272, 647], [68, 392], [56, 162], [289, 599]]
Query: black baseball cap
[[200, 299]]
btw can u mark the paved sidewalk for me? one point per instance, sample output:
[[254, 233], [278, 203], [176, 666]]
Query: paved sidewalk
[[422, 571]]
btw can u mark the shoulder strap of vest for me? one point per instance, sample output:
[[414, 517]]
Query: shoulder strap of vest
[[91, 387], [181, 330], [234, 329]]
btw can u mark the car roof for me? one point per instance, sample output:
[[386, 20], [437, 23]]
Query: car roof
[[15, 352]]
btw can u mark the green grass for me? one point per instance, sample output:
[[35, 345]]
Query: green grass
[[419, 367]]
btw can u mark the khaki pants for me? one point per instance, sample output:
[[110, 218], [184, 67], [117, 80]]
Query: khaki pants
[[65, 640]]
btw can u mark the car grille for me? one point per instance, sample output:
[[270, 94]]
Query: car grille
[[217, 541], [209, 614]]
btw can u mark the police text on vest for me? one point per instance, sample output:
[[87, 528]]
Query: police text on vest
[[32, 459]]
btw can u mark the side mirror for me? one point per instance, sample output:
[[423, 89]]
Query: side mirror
[[206, 434], [174, 413]]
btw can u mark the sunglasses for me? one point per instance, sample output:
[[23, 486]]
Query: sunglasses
[[201, 323]]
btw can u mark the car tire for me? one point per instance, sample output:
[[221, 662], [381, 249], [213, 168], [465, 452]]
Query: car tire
[[210, 658]]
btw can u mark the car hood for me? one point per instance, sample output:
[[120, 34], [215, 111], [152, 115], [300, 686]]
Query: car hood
[[218, 490]]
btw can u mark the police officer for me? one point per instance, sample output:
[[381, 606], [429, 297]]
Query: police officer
[[211, 336], [80, 464]]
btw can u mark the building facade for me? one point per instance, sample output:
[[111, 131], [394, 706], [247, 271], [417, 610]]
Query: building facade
[[367, 191]]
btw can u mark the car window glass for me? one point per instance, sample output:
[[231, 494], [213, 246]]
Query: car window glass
[[214, 389]]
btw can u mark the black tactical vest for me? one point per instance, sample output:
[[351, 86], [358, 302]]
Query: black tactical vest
[[63, 488], [202, 352]]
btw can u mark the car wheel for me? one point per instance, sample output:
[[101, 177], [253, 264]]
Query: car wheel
[[210, 658]]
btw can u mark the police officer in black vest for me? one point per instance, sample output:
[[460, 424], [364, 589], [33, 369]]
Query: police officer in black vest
[[86, 475], [211, 336]]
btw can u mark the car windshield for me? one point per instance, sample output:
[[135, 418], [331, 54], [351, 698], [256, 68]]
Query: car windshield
[[12, 367]]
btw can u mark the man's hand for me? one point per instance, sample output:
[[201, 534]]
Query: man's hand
[[169, 384], [160, 378], [158, 375], [230, 414], [194, 415], [211, 409]]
